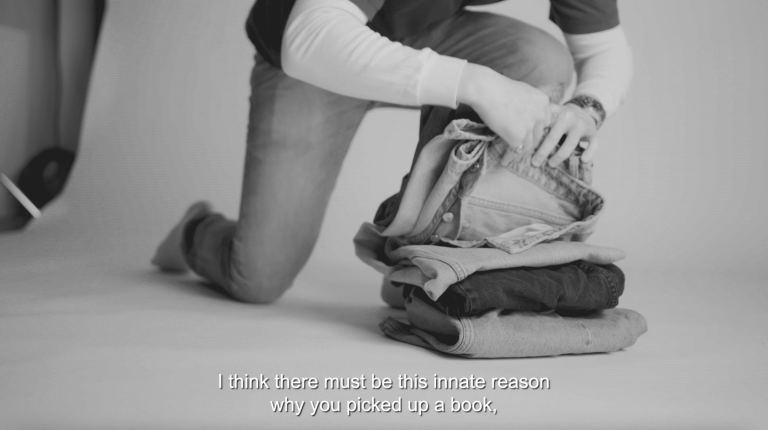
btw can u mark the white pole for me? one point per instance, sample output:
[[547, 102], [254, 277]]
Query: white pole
[[20, 196]]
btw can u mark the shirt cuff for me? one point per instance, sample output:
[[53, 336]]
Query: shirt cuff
[[439, 80], [604, 66]]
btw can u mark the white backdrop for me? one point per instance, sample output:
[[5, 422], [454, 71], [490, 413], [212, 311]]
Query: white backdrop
[[94, 336]]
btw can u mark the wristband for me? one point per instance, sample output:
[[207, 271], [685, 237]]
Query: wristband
[[591, 106]]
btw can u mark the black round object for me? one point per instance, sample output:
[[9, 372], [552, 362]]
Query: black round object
[[45, 175]]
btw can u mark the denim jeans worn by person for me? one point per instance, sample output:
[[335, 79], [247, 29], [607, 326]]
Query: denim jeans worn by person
[[298, 135], [503, 333]]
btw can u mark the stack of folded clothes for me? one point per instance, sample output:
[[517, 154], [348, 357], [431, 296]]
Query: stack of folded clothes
[[489, 260]]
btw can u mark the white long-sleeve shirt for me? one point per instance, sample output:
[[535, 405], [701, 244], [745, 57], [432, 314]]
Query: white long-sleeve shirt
[[327, 43]]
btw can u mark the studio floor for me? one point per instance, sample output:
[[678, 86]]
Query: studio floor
[[92, 336]]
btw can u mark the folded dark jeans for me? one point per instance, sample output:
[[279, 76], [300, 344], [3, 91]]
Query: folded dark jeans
[[570, 289], [508, 333]]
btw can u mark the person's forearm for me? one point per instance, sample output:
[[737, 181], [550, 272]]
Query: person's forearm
[[472, 88], [603, 65], [326, 43]]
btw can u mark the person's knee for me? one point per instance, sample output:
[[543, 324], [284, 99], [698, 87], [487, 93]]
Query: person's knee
[[260, 288], [549, 64]]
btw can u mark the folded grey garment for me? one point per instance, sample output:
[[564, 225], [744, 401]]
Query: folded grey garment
[[505, 334]]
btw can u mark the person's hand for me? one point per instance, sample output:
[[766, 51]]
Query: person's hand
[[578, 127], [514, 110]]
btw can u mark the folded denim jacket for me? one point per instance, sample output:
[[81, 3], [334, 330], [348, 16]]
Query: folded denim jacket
[[459, 194]]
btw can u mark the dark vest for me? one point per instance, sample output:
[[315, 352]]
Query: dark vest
[[398, 19]]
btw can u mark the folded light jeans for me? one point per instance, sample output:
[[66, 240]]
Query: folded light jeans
[[435, 268], [504, 333]]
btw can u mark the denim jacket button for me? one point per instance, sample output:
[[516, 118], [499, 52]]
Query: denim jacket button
[[447, 217], [434, 238]]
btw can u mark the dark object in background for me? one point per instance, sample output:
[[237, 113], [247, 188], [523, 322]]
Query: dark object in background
[[44, 176], [61, 36]]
